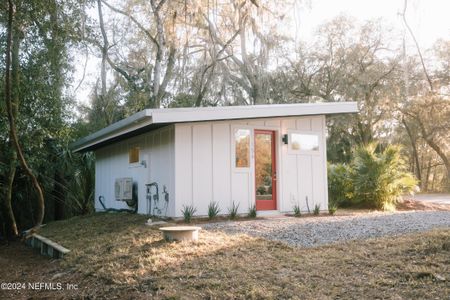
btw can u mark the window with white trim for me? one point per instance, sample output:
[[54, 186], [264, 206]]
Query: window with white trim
[[133, 155], [242, 148], [304, 142]]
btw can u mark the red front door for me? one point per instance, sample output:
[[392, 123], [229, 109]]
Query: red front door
[[265, 170]]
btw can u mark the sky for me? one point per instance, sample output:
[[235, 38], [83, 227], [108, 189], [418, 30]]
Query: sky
[[429, 20]]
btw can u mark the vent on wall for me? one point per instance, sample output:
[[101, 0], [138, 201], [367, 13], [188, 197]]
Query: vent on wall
[[123, 189]]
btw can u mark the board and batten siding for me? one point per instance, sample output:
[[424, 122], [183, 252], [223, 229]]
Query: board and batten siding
[[205, 172], [304, 175], [156, 149]]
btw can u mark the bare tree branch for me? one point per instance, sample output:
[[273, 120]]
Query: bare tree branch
[[417, 45], [105, 48], [133, 19], [84, 72]]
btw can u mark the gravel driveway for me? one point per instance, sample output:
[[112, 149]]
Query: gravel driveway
[[314, 231], [433, 198]]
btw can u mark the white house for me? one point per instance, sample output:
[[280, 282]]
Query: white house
[[271, 156]]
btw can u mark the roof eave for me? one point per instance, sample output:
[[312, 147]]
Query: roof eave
[[150, 117], [136, 121]]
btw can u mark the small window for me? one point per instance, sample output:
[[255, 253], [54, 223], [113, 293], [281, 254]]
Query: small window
[[242, 148], [304, 142], [133, 155]]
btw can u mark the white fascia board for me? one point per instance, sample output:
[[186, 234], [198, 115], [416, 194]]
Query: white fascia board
[[249, 112]]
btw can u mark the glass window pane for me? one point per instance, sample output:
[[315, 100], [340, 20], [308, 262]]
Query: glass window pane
[[242, 150], [133, 155], [263, 166], [304, 142]]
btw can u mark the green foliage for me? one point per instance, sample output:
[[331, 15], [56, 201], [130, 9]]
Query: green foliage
[[80, 190], [316, 210], [252, 211], [43, 31], [213, 210], [332, 208], [340, 185], [339, 141], [233, 211], [182, 100], [297, 212], [374, 179], [380, 178], [188, 212]]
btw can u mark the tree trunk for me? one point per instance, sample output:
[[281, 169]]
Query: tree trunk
[[427, 177], [157, 70], [11, 225], [434, 179], [168, 74], [12, 121], [105, 47], [15, 78], [414, 148], [56, 47], [430, 141]]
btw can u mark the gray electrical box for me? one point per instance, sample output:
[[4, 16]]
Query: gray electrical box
[[123, 189]]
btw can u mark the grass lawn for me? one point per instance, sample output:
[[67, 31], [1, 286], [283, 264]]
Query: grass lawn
[[116, 255]]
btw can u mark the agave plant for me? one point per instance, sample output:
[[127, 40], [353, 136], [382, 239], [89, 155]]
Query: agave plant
[[213, 209], [188, 212], [332, 208], [297, 211], [380, 178], [233, 210], [316, 210], [252, 211]]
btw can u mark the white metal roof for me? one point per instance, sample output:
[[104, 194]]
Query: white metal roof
[[149, 119]]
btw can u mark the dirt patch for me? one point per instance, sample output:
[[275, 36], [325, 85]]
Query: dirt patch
[[116, 256]]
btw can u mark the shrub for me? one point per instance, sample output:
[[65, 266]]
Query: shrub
[[316, 210], [340, 185], [233, 211], [188, 212], [213, 209], [297, 212], [252, 211], [379, 179], [332, 208]]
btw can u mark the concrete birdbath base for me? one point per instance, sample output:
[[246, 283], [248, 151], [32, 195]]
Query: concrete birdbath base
[[180, 233]]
